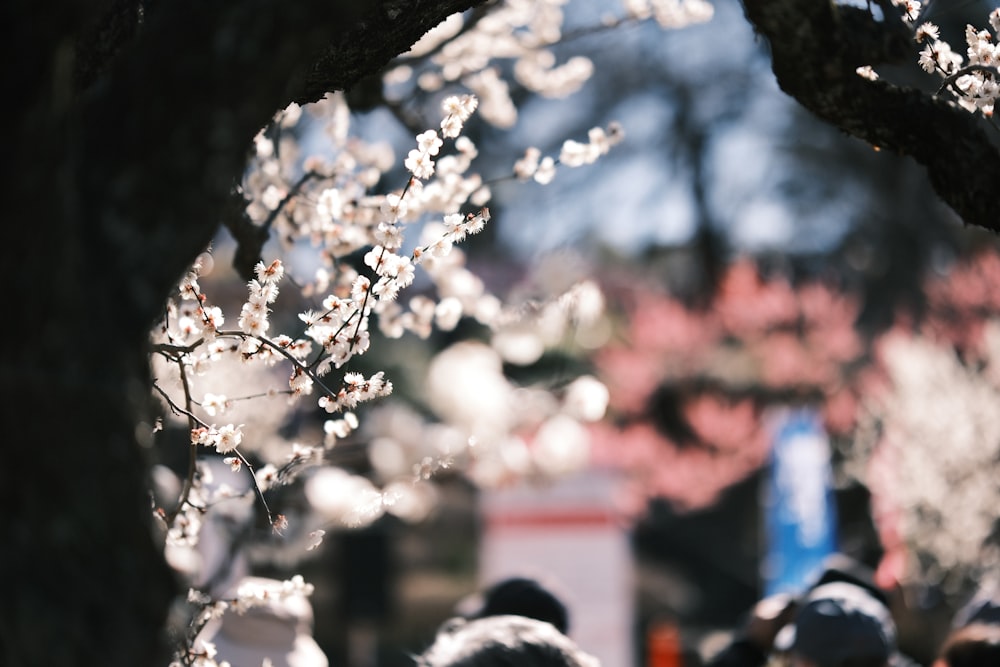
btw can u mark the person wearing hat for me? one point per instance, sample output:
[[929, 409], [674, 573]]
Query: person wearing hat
[[837, 624], [840, 625]]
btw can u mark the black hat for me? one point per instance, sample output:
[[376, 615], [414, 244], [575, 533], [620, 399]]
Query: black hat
[[840, 621]]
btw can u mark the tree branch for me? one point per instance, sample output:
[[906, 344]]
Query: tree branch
[[816, 47], [186, 96]]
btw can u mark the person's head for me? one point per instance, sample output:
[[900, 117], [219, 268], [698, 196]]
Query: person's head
[[975, 645], [503, 641], [841, 567], [521, 596], [840, 625]]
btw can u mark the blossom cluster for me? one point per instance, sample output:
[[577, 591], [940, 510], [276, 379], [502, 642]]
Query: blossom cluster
[[324, 206], [671, 13], [250, 594], [572, 154], [231, 388], [356, 389], [523, 33], [931, 459], [224, 439], [974, 79]]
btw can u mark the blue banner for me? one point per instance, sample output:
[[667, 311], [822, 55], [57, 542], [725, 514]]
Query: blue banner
[[800, 515]]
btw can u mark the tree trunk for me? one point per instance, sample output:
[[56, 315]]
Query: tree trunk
[[130, 127]]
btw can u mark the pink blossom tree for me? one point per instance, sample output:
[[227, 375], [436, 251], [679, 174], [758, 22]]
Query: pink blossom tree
[[690, 385]]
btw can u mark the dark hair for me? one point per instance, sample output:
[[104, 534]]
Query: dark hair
[[862, 662], [503, 641], [521, 596], [975, 645]]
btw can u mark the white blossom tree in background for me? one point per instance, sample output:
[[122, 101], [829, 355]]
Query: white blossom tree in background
[[930, 457], [933, 468], [131, 137]]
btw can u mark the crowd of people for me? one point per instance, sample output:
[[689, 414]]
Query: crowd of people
[[843, 620]]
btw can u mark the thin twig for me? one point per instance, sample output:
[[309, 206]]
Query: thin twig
[[283, 352], [174, 350], [193, 422], [364, 302], [256, 486], [292, 193], [950, 79]]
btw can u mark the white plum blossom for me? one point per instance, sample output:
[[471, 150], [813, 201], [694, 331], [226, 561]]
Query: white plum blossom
[[546, 170], [457, 109], [356, 389], [670, 13], [419, 164], [419, 160], [586, 399], [561, 446], [447, 313], [600, 141], [212, 320], [214, 404], [270, 274], [338, 429], [224, 439], [255, 592], [538, 72], [526, 167], [926, 31], [315, 539], [347, 200], [300, 382], [910, 9], [866, 72], [228, 438], [458, 225], [349, 500], [941, 506], [429, 142], [266, 476], [974, 80], [393, 208]]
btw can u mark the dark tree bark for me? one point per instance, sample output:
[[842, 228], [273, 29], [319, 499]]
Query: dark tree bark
[[816, 47], [128, 125]]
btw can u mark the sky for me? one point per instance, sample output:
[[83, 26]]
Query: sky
[[640, 194]]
